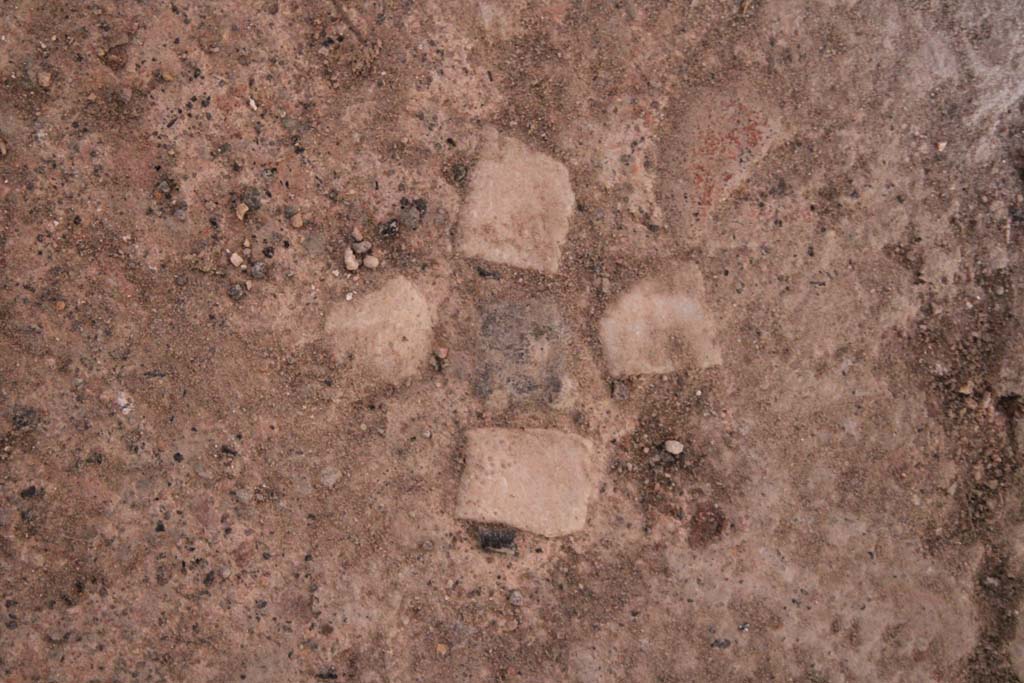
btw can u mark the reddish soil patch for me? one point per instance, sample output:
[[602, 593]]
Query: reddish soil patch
[[247, 320]]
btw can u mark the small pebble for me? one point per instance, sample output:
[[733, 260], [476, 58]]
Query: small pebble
[[251, 197], [362, 247], [441, 352], [371, 261], [620, 390], [516, 598], [236, 258], [357, 234], [351, 263], [241, 209], [673, 447], [236, 291], [259, 270], [44, 78], [297, 221]]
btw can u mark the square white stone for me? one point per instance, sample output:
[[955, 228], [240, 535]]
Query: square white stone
[[386, 333], [660, 325], [538, 480], [519, 205]]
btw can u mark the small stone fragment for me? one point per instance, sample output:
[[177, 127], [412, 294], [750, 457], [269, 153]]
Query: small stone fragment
[[362, 247], [351, 263], [116, 57], [371, 261], [24, 417], [388, 228], [673, 447], [620, 390], [44, 78], [258, 270], [458, 173], [297, 221], [236, 259], [498, 539], [357, 234], [411, 212], [251, 197], [236, 291], [241, 208]]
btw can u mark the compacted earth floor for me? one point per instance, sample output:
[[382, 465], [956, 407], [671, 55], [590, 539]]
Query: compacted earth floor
[[511, 340]]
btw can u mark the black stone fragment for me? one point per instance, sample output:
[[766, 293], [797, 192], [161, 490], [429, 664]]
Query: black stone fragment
[[499, 539]]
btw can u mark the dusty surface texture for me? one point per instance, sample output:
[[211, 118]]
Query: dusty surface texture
[[243, 340]]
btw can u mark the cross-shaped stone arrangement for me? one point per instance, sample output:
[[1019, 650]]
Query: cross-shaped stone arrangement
[[518, 214]]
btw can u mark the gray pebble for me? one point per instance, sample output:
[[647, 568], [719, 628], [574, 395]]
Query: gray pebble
[[251, 197]]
